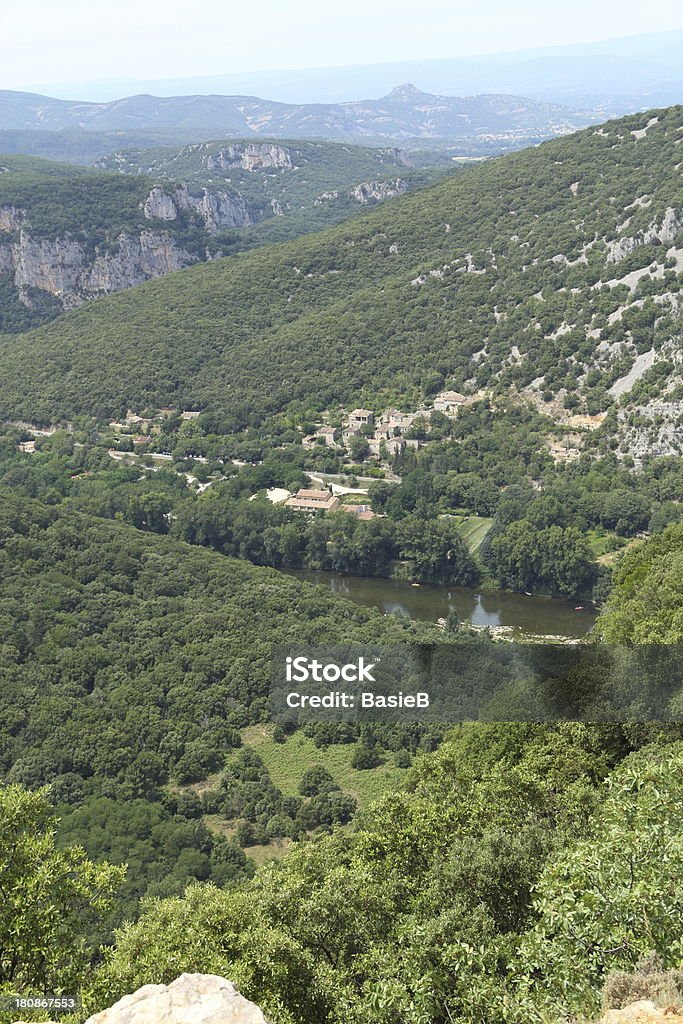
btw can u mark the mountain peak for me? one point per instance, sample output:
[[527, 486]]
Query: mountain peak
[[406, 93]]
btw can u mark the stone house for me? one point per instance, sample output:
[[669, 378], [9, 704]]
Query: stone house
[[448, 402], [309, 500], [360, 418], [327, 435], [394, 422]]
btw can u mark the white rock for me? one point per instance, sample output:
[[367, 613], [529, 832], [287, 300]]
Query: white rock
[[190, 999]]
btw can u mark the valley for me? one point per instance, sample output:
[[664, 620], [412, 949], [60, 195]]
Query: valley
[[271, 389], [467, 284]]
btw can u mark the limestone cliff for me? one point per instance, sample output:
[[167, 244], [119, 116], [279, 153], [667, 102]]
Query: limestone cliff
[[376, 191], [217, 209], [69, 270], [250, 157], [72, 269]]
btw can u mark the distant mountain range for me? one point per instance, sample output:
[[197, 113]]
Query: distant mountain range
[[611, 77], [486, 123]]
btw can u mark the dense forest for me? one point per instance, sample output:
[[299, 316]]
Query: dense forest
[[647, 603], [522, 870], [130, 662]]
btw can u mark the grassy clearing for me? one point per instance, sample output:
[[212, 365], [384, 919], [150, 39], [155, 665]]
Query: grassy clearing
[[286, 763], [605, 545], [610, 557], [210, 782], [473, 530], [275, 850]]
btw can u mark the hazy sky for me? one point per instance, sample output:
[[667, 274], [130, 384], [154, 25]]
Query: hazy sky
[[52, 41]]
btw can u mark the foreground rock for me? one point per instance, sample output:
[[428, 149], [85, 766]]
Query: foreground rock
[[190, 999]]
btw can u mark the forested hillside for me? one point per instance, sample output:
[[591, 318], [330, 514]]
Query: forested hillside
[[68, 234], [551, 271], [301, 186], [646, 605], [523, 869], [509, 873], [128, 666]]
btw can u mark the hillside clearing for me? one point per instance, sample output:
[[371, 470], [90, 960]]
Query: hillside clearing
[[286, 763]]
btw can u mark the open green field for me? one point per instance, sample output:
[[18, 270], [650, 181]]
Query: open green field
[[286, 763], [473, 530]]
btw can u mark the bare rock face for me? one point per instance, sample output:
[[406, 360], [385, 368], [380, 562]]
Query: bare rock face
[[11, 219], [251, 156], [376, 191], [666, 232], [217, 208], [160, 205], [190, 999], [53, 266], [64, 268], [656, 233], [620, 248], [136, 259]]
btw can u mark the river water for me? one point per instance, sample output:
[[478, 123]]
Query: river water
[[526, 616]]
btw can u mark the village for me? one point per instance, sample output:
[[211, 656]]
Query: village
[[358, 438], [366, 438]]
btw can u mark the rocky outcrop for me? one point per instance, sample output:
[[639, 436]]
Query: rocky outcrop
[[376, 191], [620, 248], [216, 208], [656, 233], [160, 205], [68, 270], [666, 232], [647, 995], [11, 219], [190, 999], [250, 157]]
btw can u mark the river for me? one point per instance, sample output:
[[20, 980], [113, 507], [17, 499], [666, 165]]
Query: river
[[525, 616]]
